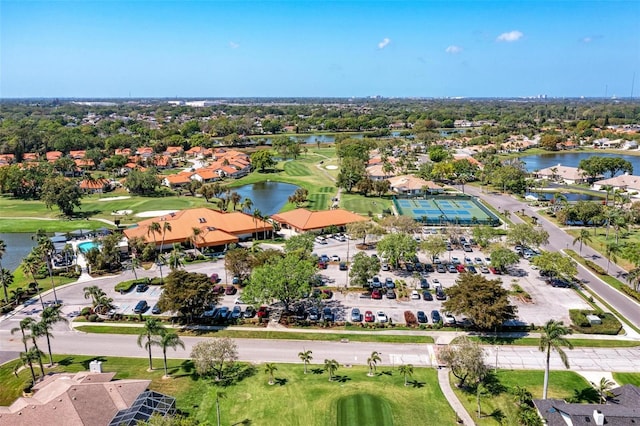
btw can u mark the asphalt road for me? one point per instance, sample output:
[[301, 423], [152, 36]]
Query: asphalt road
[[560, 240], [286, 351]]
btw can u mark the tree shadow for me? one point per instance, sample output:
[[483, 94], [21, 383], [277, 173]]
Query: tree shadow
[[341, 379], [245, 422], [493, 385], [498, 415], [416, 384], [86, 362], [588, 394], [317, 370], [386, 373], [280, 381], [66, 361]]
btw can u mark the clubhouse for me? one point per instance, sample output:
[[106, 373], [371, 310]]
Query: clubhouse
[[303, 220]]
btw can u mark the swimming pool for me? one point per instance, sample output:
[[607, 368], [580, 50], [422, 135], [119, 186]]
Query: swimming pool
[[87, 245]]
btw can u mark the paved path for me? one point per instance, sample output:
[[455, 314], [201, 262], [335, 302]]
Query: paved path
[[445, 386]]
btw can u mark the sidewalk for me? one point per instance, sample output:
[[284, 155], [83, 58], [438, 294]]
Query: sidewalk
[[445, 386]]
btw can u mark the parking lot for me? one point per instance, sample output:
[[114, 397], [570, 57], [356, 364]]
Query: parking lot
[[547, 302]]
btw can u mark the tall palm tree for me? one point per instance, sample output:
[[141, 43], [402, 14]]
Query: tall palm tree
[[305, 357], [168, 339], [331, 366], [247, 204], [175, 258], [3, 250], [603, 387], [27, 359], [35, 331], [583, 237], [50, 316], [257, 215], [611, 250], [151, 330], [46, 249], [270, 368], [94, 293], [235, 199], [166, 226], [31, 265], [25, 324], [135, 263], [553, 338], [153, 229], [195, 236], [6, 278], [633, 278], [407, 371], [373, 360]]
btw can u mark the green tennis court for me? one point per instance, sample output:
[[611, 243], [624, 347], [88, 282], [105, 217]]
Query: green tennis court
[[442, 210]]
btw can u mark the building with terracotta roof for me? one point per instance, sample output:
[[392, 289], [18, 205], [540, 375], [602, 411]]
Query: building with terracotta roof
[[7, 159], [85, 163], [303, 220], [77, 155], [95, 186], [216, 229], [30, 156], [125, 152], [412, 185], [53, 156], [86, 398], [378, 172], [178, 180]]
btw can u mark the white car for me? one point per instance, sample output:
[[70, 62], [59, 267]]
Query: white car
[[449, 319], [435, 282], [381, 317], [335, 258], [415, 295]]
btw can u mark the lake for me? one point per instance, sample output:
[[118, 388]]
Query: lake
[[572, 159], [19, 245], [268, 197]]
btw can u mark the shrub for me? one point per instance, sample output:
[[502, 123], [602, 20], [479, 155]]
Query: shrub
[[156, 281], [126, 286], [93, 318], [630, 292], [595, 267], [578, 318], [410, 318], [610, 324], [86, 311]]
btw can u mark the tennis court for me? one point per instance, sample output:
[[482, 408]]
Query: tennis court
[[461, 210]]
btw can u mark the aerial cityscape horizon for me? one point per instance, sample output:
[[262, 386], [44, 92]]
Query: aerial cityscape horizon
[[403, 49]]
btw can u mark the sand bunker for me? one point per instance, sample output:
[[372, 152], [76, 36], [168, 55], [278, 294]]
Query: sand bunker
[[154, 213], [331, 167], [123, 197]]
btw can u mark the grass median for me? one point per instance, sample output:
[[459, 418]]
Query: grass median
[[532, 341], [279, 335]]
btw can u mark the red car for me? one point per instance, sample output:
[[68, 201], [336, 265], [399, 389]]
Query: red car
[[376, 294], [494, 270], [322, 265], [460, 268], [263, 312], [368, 317]]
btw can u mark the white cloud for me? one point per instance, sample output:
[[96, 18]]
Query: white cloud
[[453, 49], [587, 40], [510, 36], [384, 43], [233, 45]]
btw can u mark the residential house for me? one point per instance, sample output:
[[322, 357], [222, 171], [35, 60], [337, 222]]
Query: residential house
[[52, 156], [87, 398], [85, 164], [412, 185], [625, 182], [179, 180], [7, 159], [199, 151], [29, 157], [560, 173], [160, 162], [125, 152], [95, 186], [77, 155], [303, 220], [174, 151], [621, 409], [379, 172]]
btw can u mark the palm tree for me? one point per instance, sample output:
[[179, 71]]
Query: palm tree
[[195, 236], [25, 324], [35, 331], [247, 204], [257, 215], [372, 361], [28, 358], [407, 371], [152, 328], [235, 198], [331, 366], [583, 237], [552, 338], [603, 387], [50, 316], [135, 263], [306, 358], [6, 278], [270, 368], [94, 293], [175, 258], [166, 226], [153, 229], [31, 265], [633, 278], [46, 248], [3, 250], [168, 339], [611, 251], [481, 391]]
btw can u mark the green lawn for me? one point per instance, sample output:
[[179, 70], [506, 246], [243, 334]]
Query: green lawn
[[500, 404], [363, 205], [579, 343], [627, 378], [363, 409], [599, 242], [22, 280], [295, 399], [251, 334]]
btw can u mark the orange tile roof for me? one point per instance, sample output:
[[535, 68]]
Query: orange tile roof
[[84, 163], [125, 152], [77, 154], [307, 220], [95, 184], [179, 178], [174, 150], [207, 173], [161, 161], [218, 228], [53, 155], [29, 156]]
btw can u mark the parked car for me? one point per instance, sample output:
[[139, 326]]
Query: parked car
[[215, 278], [335, 258], [390, 294], [472, 269], [428, 267], [437, 260], [494, 270], [218, 289], [440, 294], [356, 316], [436, 282], [324, 258], [455, 260], [452, 268], [478, 260], [322, 265], [156, 309], [236, 312], [376, 294], [250, 312], [419, 266], [424, 284], [441, 269], [343, 266], [449, 319], [484, 269], [321, 240], [263, 312], [140, 307], [328, 315], [415, 295], [222, 314], [422, 317], [435, 316], [368, 317], [235, 280], [386, 267], [230, 290], [467, 248], [141, 288], [375, 282], [388, 283], [460, 268], [426, 295], [314, 315], [381, 317], [408, 266]]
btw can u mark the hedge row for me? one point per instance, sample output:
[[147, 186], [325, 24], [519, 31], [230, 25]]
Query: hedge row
[[610, 325], [595, 267], [631, 292]]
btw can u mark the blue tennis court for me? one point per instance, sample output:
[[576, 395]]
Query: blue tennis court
[[462, 210]]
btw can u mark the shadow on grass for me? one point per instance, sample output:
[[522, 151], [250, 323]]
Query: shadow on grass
[[588, 395], [86, 363], [341, 379], [416, 384], [66, 361], [280, 381], [386, 373], [245, 422], [317, 370], [498, 415]]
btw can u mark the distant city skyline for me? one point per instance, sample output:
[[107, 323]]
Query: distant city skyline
[[231, 49]]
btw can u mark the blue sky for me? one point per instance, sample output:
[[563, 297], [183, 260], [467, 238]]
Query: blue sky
[[471, 48]]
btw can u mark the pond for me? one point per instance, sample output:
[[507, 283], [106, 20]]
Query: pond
[[19, 245], [268, 197], [570, 196], [572, 159]]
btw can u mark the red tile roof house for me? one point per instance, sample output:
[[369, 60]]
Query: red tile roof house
[[77, 155], [217, 229], [178, 180], [30, 156], [85, 164], [303, 220], [7, 159], [125, 152], [97, 186], [174, 151], [53, 156]]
